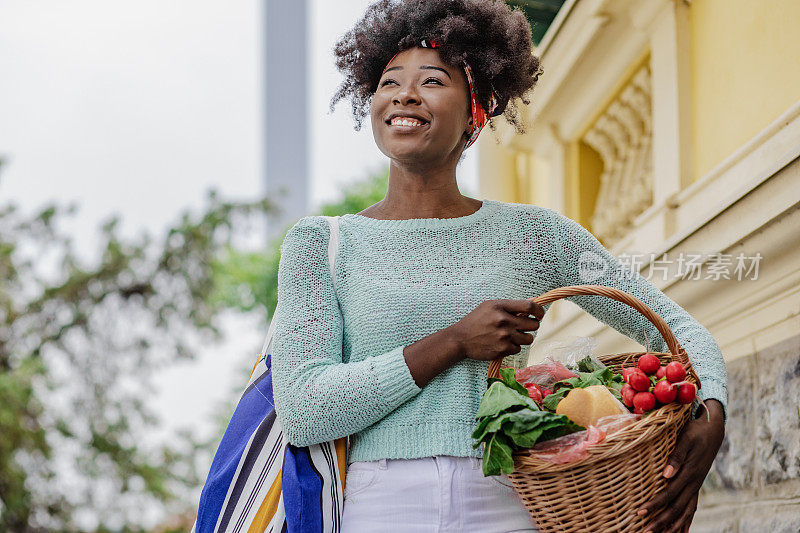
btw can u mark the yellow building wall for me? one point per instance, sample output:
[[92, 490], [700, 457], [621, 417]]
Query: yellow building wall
[[542, 184], [590, 168], [497, 170], [582, 182], [745, 72]]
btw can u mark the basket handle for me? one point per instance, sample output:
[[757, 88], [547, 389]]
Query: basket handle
[[609, 292]]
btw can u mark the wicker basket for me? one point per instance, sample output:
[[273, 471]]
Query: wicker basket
[[603, 491]]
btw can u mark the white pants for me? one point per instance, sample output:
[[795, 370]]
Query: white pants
[[431, 494]]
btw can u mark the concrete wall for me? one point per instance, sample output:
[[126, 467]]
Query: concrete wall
[[755, 482]]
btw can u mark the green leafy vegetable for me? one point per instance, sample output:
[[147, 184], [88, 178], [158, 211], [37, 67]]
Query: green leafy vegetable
[[497, 457], [526, 439], [509, 421], [507, 377], [560, 430], [488, 426], [500, 397], [550, 401], [589, 364]]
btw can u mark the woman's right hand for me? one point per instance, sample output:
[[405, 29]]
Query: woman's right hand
[[497, 328]]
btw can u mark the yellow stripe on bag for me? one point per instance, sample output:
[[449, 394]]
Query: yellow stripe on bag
[[341, 448], [268, 507], [254, 367]]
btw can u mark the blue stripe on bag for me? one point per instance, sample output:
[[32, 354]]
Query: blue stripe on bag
[[247, 418], [252, 455], [302, 491]]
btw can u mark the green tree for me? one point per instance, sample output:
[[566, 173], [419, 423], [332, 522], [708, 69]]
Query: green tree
[[79, 343]]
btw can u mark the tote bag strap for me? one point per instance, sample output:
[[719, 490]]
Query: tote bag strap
[[333, 248]]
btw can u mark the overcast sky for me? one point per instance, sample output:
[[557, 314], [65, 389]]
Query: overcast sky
[[137, 108]]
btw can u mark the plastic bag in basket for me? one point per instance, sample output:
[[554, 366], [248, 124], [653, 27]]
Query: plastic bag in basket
[[560, 356], [544, 374], [571, 350], [575, 446]]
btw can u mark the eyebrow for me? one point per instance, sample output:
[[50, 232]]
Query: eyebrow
[[422, 67]]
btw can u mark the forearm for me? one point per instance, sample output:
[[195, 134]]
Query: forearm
[[432, 355], [318, 400], [703, 351], [716, 413]]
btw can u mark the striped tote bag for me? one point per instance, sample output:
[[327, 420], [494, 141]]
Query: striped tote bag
[[258, 482]]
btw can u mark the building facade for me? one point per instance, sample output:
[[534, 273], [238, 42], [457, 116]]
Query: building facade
[[671, 130]]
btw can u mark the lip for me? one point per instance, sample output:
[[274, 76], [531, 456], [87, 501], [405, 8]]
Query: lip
[[407, 129], [406, 114]]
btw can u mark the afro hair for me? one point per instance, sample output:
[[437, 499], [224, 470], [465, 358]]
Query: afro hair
[[494, 39]]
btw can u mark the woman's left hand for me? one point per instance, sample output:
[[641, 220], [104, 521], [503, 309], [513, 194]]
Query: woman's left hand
[[686, 470]]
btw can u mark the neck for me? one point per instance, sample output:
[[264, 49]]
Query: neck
[[417, 193]]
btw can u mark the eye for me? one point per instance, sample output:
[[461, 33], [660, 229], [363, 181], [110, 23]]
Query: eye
[[433, 79], [387, 81]]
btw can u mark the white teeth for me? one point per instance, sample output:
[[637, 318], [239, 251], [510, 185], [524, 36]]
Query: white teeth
[[399, 121]]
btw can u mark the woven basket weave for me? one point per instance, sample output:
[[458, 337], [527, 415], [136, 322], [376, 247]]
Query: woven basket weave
[[603, 491]]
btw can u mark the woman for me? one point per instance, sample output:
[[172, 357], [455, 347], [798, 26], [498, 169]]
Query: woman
[[431, 285]]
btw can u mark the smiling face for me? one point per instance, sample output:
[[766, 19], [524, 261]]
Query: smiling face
[[420, 111]]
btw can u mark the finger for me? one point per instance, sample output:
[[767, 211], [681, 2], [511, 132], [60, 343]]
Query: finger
[[520, 338], [673, 518], [526, 307], [686, 518], [673, 487], [669, 515], [678, 455], [671, 490], [536, 310], [524, 323]]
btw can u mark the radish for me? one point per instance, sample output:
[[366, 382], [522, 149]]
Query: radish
[[546, 392], [675, 372], [686, 392], [639, 381], [649, 363], [627, 394], [626, 373], [665, 392], [662, 372], [626, 370], [644, 401]]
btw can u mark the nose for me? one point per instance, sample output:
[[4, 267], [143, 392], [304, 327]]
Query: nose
[[406, 95]]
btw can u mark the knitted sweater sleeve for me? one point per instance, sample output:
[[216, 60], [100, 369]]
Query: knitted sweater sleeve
[[585, 261], [318, 397]]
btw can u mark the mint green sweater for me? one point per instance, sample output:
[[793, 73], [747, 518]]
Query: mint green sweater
[[337, 360]]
